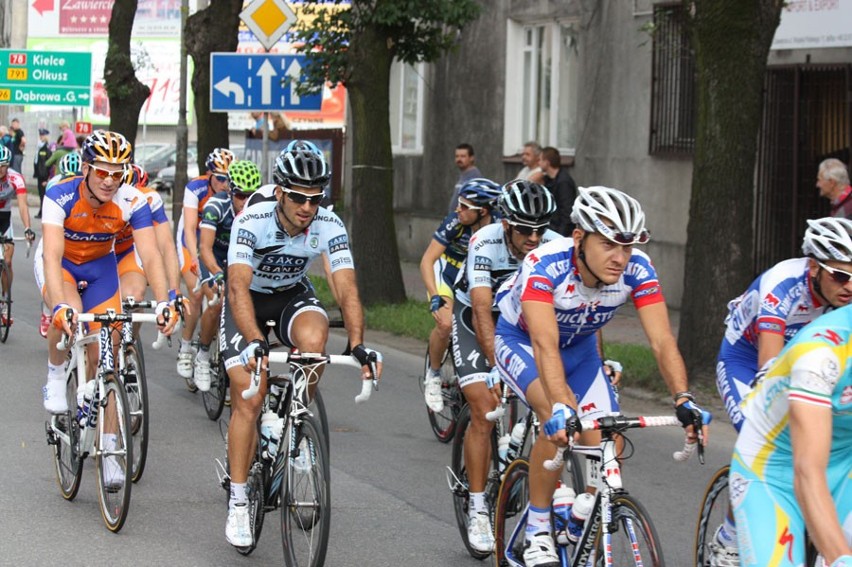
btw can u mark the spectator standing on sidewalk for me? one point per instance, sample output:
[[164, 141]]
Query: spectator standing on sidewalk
[[40, 167], [19, 142], [833, 184], [561, 186], [530, 156], [465, 159]]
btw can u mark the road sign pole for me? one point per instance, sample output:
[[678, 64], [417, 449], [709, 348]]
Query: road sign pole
[[264, 164]]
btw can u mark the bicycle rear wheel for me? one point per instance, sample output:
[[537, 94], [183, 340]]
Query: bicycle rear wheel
[[634, 538], [509, 513], [214, 399], [5, 301], [114, 454], [136, 385], [306, 498], [714, 508], [67, 461], [443, 423]]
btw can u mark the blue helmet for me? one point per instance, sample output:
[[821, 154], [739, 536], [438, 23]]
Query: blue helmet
[[70, 164], [480, 192]]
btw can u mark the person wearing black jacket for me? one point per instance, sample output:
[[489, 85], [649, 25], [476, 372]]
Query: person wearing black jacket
[[40, 167], [562, 186]]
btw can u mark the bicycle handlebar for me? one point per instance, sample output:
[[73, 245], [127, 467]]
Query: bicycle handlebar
[[216, 295], [282, 357], [614, 423], [115, 317]]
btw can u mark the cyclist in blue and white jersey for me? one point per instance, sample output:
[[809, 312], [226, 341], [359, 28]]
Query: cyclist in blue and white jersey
[[762, 320], [494, 254], [440, 267], [216, 221], [274, 239], [546, 348], [791, 462]]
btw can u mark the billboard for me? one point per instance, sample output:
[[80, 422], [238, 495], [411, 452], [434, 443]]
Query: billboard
[[807, 24]]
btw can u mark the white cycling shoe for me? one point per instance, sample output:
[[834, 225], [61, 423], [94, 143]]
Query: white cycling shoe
[[541, 551], [238, 527], [479, 533], [432, 392], [54, 396], [184, 364], [202, 373], [722, 555], [113, 474]]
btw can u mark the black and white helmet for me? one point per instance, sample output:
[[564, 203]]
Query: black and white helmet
[[526, 202], [613, 214], [828, 238], [301, 163]]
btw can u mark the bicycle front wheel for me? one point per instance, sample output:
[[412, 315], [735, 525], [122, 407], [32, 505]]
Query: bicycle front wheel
[[634, 538], [714, 508], [66, 458], [5, 300], [306, 499], [214, 399], [509, 517], [317, 408], [114, 454], [136, 385]]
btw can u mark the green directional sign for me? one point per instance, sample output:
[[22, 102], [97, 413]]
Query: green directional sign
[[60, 78]]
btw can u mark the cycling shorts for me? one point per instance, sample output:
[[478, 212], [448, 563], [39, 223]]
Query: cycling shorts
[[129, 262], [282, 307], [584, 372], [470, 363], [100, 276], [770, 525], [735, 370], [446, 271], [6, 225]]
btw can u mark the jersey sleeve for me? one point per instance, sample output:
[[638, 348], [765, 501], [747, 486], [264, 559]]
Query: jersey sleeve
[[774, 306], [642, 279], [449, 230], [190, 199], [158, 208], [52, 213], [478, 264], [816, 368], [339, 254], [536, 283], [243, 241], [211, 215], [17, 181]]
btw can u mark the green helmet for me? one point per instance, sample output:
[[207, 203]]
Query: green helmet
[[243, 177]]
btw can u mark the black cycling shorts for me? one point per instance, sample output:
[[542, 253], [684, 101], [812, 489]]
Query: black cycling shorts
[[471, 365]]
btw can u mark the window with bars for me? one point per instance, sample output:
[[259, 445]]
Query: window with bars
[[673, 89]]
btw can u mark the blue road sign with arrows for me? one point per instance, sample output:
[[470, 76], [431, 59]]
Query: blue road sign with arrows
[[260, 82]]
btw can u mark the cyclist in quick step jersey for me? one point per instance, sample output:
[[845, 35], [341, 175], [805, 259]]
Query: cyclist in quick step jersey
[[281, 230], [791, 462], [195, 196], [439, 269], [216, 220], [11, 185], [772, 310], [494, 254], [81, 218], [546, 348]]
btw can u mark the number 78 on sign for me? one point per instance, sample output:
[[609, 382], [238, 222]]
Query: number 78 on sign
[[259, 82]]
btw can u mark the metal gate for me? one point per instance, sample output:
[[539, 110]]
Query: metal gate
[[806, 119]]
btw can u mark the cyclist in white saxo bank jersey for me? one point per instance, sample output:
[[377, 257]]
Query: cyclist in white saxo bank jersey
[[546, 347], [281, 230], [494, 254], [762, 320], [791, 462], [12, 186]]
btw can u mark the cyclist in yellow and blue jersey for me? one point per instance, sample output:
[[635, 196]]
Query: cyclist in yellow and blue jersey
[[792, 460]]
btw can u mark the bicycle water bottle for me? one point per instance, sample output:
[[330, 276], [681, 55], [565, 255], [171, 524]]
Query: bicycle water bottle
[[583, 505], [517, 438], [503, 448], [274, 396], [271, 427], [563, 500], [87, 413]]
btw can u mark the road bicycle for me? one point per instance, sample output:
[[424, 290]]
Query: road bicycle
[[714, 508], [618, 531], [101, 427], [292, 472], [214, 399], [444, 422], [6, 290]]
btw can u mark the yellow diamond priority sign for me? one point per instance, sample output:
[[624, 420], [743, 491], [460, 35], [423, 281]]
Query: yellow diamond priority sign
[[268, 20]]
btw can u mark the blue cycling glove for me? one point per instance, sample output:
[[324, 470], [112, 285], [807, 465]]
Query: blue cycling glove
[[562, 417], [436, 302]]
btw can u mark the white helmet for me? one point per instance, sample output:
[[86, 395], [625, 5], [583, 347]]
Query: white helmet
[[828, 238], [611, 213]]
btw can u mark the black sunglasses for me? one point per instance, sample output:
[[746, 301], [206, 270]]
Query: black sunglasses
[[628, 238], [302, 198], [839, 276], [528, 230]]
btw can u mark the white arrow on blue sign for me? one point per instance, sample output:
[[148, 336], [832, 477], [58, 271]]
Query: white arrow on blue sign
[[258, 83]]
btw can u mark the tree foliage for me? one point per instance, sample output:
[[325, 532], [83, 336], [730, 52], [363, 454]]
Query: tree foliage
[[355, 44], [126, 93], [732, 40]]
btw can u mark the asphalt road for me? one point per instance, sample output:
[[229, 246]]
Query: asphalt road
[[391, 504]]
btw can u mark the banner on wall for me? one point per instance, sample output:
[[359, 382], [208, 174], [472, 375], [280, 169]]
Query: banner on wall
[[82, 18], [807, 24]]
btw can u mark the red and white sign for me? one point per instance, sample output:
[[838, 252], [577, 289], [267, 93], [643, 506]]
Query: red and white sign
[[83, 128]]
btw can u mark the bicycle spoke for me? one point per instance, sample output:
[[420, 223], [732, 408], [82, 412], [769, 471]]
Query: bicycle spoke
[[114, 455]]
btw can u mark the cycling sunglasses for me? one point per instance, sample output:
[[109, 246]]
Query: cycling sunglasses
[[301, 198], [221, 177], [527, 229], [839, 276], [468, 206], [623, 238], [102, 173]]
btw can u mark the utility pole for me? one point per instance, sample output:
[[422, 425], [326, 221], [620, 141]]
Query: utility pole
[[182, 141]]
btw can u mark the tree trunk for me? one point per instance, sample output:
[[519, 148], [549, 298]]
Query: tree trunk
[[126, 94], [732, 39], [372, 229]]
